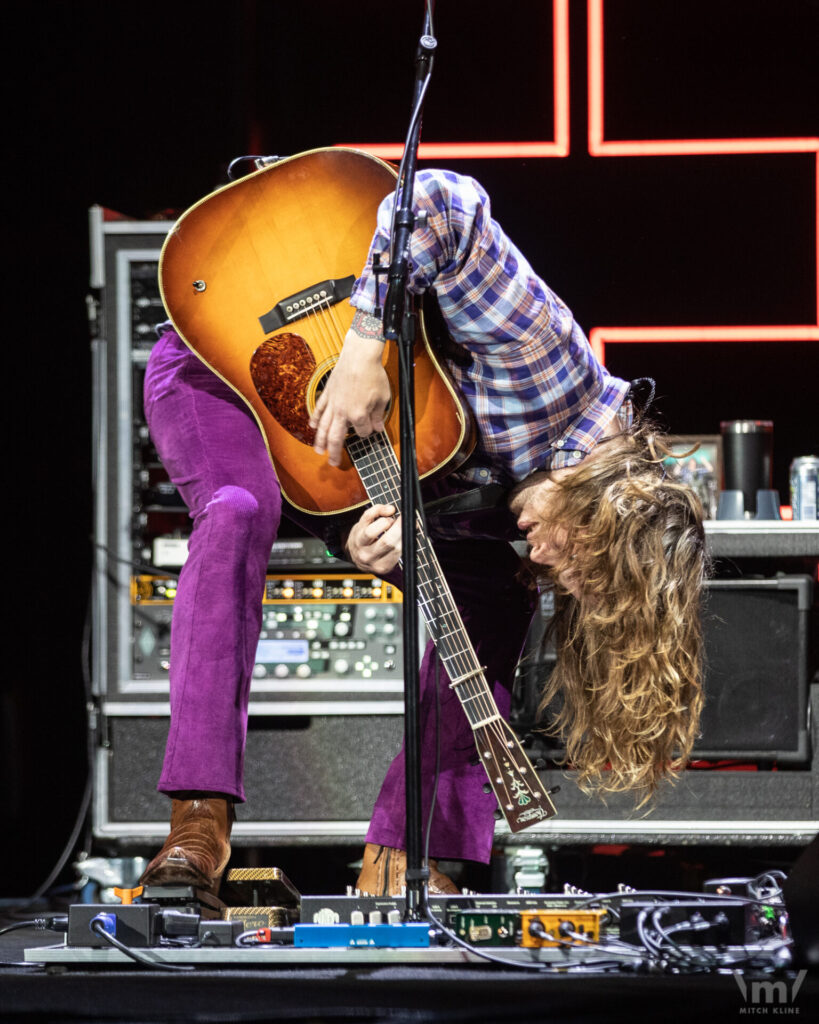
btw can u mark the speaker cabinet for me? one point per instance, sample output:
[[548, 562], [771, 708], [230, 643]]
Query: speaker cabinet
[[757, 670], [308, 778]]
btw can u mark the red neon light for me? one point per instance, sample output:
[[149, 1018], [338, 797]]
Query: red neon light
[[599, 337], [598, 146], [557, 147], [461, 150]]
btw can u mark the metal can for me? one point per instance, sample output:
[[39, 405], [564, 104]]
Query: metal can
[[805, 486]]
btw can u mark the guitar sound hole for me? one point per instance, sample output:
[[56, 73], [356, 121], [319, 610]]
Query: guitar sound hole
[[322, 384]]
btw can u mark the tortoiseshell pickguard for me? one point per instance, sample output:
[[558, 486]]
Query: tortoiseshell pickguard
[[281, 369]]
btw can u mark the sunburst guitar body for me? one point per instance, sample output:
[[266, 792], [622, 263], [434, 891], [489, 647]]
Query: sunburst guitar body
[[255, 278]]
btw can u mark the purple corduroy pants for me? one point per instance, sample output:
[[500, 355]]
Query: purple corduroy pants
[[213, 451]]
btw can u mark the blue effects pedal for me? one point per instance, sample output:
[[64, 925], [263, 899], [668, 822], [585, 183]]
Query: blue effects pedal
[[387, 936]]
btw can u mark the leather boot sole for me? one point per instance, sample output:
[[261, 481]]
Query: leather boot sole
[[177, 871], [197, 850]]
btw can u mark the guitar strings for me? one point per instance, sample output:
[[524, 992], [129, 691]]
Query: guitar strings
[[388, 473], [386, 477], [379, 470], [330, 337], [483, 711], [451, 625], [486, 710], [336, 327], [326, 334], [446, 626], [379, 476]]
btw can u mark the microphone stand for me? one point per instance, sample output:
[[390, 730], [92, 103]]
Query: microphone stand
[[399, 326]]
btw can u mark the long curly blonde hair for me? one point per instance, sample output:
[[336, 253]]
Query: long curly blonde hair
[[629, 639]]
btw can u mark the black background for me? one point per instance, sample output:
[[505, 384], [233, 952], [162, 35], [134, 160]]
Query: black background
[[140, 106]]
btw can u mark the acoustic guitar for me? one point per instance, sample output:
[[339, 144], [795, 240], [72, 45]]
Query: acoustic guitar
[[254, 277]]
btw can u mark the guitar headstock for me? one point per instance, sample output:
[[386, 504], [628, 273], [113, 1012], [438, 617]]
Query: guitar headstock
[[521, 796]]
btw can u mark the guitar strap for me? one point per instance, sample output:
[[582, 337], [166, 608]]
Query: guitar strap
[[481, 512], [477, 499], [438, 335]]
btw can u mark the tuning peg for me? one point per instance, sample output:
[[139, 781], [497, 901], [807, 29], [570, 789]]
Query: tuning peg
[[498, 814], [487, 788]]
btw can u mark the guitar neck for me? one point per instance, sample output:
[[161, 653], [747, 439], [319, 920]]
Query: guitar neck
[[516, 785], [380, 471]]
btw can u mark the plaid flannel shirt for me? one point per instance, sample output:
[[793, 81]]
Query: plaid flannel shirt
[[540, 398]]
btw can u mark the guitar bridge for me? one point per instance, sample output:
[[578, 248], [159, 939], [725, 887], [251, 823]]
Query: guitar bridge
[[301, 304]]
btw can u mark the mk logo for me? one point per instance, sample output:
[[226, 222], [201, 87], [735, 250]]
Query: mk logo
[[768, 993]]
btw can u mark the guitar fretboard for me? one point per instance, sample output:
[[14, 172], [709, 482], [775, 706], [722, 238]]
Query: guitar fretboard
[[380, 471], [520, 793]]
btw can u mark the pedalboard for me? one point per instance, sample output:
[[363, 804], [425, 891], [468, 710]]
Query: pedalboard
[[340, 909], [514, 919], [175, 916], [260, 908]]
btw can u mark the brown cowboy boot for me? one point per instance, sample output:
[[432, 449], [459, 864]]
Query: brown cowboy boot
[[198, 848], [383, 872]]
